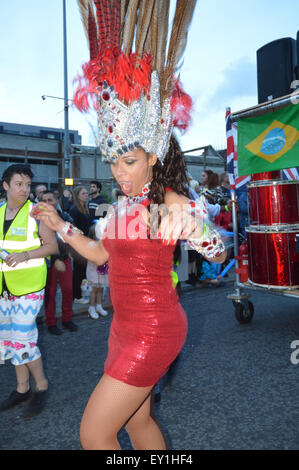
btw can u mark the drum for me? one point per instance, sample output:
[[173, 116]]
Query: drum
[[266, 175], [273, 256], [274, 202]]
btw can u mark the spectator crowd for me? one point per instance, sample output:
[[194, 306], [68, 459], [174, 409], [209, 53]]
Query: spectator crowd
[[82, 207]]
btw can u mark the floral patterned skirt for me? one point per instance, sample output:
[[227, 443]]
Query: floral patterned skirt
[[18, 331]]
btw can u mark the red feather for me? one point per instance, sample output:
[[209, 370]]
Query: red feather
[[92, 34], [108, 21], [129, 74], [115, 29], [101, 24], [181, 107]]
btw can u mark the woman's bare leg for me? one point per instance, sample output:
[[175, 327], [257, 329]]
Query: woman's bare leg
[[92, 297], [22, 373], [99, 295], [144, 432], [110, 406], [37, 371]]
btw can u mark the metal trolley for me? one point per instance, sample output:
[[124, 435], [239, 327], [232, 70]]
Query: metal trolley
[[244, 309]]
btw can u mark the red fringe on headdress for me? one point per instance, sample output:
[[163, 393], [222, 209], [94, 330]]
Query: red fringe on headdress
[[129, 74], [181, 107]]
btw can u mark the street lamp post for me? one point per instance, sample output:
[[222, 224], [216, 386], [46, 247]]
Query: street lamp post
[[66, 167], [68, 170]]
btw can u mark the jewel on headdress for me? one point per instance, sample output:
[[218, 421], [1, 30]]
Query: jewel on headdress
[[106, 96]]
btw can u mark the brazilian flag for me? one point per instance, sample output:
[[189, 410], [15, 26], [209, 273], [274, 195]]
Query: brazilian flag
[[269, 142]]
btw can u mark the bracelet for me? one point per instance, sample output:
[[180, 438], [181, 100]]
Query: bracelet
[[209, 244], [26, 255], [69, 230]]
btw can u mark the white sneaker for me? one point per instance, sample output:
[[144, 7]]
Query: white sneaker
[[100, 309], [81, 301], [92, 313]]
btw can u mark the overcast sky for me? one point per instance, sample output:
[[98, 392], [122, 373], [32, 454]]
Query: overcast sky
[[219, 67]]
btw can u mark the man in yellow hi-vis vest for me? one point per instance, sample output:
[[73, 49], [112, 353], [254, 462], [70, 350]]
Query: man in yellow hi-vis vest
[[23, 273]]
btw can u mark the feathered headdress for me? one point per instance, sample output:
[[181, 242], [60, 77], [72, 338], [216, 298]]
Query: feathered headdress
[[130, 77]]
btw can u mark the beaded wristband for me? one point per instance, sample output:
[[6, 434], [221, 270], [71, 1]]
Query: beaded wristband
[[209, 244], [69, 230]]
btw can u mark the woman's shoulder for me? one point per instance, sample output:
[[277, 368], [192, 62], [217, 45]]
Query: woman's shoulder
[[75, 211], [172, 197], [73, 208], [75, 214]]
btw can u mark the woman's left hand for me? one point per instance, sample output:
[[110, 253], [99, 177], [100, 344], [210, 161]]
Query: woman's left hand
[[178, 224], [14, 259], [48, 215]]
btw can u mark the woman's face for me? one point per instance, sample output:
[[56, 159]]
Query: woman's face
[[67, 193], [204, 177], [83, 195], [133, 170], [225, 182]]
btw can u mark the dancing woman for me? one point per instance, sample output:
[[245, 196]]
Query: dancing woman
[[149, 326]]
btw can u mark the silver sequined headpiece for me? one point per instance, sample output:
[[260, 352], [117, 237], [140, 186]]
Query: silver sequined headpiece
[[143, 123], [130, 78]]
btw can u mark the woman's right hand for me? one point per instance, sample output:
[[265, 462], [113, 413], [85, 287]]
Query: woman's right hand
[[59, 266], [48, 215]]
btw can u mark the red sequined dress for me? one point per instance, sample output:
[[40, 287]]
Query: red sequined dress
[[149, 326]]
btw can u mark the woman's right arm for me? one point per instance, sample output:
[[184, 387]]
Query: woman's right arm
[[89, 249]]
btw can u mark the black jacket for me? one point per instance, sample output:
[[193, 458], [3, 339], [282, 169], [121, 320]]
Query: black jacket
[[93, 204], [81, 221]]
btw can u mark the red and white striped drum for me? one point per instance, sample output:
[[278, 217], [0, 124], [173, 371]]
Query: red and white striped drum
[[274, 202], [273, 257]]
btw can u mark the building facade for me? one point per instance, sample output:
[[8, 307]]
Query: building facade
[[208, 159], [43, 149], [40, 147]]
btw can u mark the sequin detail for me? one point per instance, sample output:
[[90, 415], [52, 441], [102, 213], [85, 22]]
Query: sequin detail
[[149, 326], [141, 196], [142, 123]]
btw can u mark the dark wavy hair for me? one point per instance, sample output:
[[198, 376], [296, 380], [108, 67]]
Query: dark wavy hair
[[19, 169], [213, 179], [172, 174]]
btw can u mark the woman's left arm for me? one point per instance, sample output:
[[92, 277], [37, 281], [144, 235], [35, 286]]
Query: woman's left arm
[[188, 220], [49, 246]]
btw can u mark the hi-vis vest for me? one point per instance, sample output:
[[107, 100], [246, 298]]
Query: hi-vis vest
[[22, 235]]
